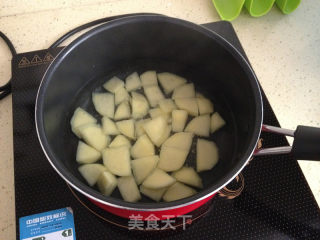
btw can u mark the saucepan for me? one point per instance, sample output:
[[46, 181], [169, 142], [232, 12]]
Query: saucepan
[[165, 44]]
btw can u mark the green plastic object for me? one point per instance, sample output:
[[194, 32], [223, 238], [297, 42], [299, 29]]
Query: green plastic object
[[228, 9], [258, 8], [287, 6]]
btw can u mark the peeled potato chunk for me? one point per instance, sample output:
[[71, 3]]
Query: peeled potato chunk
[[142, 167], [156, 112], [107, 182], [188, 104], [113, 84], [167, 105], [164, 136], [94, 136], [205, 106], [121, 95], [179, 119], [184, 91], [119, 141], [217, 122], [154, 194], [140, 105], [188, 176], [207, 155], [153, 94], [182, 141], [199, 126], [80, 117], [87, 154], [104, 103], [172, 159], [158, 179], [178, 191], [123, 111], [143, 147], [155, 128], [149, 78], [126, 127], [129, 189], [117, 160], [109, 127], [170, 81], [139, 126], [133, 82], [91, 172]]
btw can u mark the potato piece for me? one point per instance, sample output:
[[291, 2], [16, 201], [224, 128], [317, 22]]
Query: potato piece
[[121, 95], [207, 155], [199, 126], [80, 117], [129, 189], [149, 78], [205, 106], [140, 105], [184, 91], [123, 111], [109, 127], [178, 191], [179, 119], [104, 103], [117, 160], [155, 128], [217, 122], [143, 147], [119, 141], [139, 126], [113, 84], [170, 81], [188, 176], [158, 179], [172, 159], [107, 182], [133, 82], [87, 154], [188, 104], [93, 135], [91, 172], [157, 112], [126, 127], [154, 194], [153, 94], [180, 140], [142, 167], [167, 105], [164, 136]]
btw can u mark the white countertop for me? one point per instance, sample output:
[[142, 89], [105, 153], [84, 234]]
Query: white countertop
[[284, 51]]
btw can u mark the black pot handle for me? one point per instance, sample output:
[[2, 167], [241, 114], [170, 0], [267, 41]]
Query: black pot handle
[[306, 144]]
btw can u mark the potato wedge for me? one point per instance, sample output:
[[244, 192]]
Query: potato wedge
[[109, 127], [142, 167], [188, 176], [128, 189], [119, 141], [80, 117], [107, 182], [123, 111], [91, 172], [217, 122], [155, 128], [154, 194], [93, 135], [179, 119], [113, 84], [143, 147], [158, 179], [167, 105], [178, 191], [121, 95], [184, 91], [140, 105], [133, 82], [126, 127], [205, 106], [188, 104], [149, 78], [87, 154], [139, 126], [172, 159], [199, 126], [156, 112], [207, 155], [117, 160], [164, 137], [170, 81], [180, 140], [104, 103], [153, 94]]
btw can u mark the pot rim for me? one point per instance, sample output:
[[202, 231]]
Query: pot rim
[[157, 206]]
